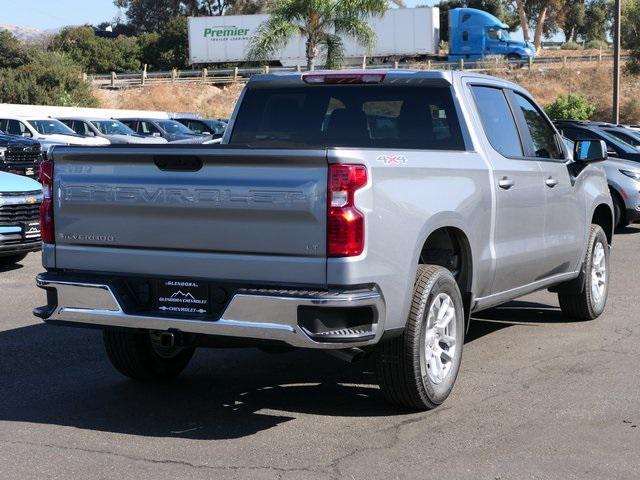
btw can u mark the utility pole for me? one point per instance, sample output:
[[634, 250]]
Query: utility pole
[[616, 64]]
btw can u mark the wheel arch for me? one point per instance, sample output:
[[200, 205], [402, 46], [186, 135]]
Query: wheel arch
[[450, 247], [603, 216]]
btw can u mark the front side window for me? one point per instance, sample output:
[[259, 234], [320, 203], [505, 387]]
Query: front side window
[[543, 136], [14, 127], [147, 128], [382, 117], [497, 121]]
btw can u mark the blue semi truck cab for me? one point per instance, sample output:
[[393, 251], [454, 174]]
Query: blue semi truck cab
[[475, 35]]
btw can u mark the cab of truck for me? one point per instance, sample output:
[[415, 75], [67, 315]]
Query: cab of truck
[[475, 34]]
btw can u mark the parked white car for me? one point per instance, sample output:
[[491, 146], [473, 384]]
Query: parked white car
[[113, 130], [48, 131]]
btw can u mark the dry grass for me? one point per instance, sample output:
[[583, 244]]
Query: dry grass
[[591, 79], [588, 79], [208, 100]]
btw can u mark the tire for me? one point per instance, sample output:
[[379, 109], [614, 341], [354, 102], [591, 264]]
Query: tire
[[513, 57], [592, 300], [406, 371], [11, 259], [619, 216], [134, 355]]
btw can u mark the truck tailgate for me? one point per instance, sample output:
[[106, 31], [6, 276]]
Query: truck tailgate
[[213, 212]]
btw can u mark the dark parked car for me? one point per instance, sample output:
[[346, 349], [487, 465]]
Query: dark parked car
[[204, 126], [19, 155], [171, 130], [622, 167], [632, 137]]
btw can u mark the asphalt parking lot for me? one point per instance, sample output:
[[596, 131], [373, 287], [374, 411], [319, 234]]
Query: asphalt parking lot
[[537, 397]]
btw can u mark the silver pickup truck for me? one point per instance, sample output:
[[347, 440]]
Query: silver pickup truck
[[367, 212]]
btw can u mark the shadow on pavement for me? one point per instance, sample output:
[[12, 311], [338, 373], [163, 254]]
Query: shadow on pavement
[[10, 268], [630, 229], [61, 376]]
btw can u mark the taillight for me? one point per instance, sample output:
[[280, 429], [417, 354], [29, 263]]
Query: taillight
[[46, 207], [345, 223]]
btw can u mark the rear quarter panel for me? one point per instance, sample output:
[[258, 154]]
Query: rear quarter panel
[[410, 194]]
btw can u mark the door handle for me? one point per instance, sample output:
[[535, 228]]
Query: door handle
[[551, 182], [506, 183]]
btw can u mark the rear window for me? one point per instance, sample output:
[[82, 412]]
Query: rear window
[[349, 116]]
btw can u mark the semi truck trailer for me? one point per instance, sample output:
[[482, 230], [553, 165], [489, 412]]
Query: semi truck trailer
[[401, 34]]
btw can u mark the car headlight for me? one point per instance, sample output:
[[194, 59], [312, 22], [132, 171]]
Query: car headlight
[[2, 150], [631, 174]]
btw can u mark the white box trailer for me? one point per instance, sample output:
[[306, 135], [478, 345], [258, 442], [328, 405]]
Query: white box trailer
[[401, 33]]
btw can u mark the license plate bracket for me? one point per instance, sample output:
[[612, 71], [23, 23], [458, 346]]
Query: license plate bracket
[[182, 297]]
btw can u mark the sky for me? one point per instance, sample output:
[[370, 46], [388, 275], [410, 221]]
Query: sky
[[51, 14]]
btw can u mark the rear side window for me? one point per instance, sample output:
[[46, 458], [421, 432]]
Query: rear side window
[[497, 121], [542, 135], [349, 116]]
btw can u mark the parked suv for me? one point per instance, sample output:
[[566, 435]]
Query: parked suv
[[19, 155], [113, 130], [622, 167], [20, 199], [296, 232], [170, 130]]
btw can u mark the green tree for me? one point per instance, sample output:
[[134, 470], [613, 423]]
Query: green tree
[[570, 107], [96, 54], [598, 23], [12, 53], [168, 48], [322, 23], [630, 33], [573, 19], [47, 78]]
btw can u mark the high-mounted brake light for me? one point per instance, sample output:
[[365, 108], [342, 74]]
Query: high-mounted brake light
[[345, 223], [46, 207], [343, 78]]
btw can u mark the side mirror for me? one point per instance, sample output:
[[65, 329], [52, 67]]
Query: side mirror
[[27, 134], [156, 134], [590, 151], [205, 133]]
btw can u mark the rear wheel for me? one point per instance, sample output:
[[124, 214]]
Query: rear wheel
[[11, 259], [141, 356], [418, 369], [591, 301]]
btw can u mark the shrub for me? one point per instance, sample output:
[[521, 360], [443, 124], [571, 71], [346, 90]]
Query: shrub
[[46, 79], [97, 54], [570, 107], [597, 45], [570, 46]]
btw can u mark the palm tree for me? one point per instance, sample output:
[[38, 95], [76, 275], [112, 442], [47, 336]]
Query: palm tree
[[324, 24]]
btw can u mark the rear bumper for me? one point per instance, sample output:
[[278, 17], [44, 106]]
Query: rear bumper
[[257, 314]]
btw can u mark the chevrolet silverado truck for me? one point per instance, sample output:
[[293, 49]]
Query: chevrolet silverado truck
[[19, 217], [358, 212]]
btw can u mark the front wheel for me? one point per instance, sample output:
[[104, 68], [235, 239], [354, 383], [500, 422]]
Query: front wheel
[[418, 369], [592, 299]]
